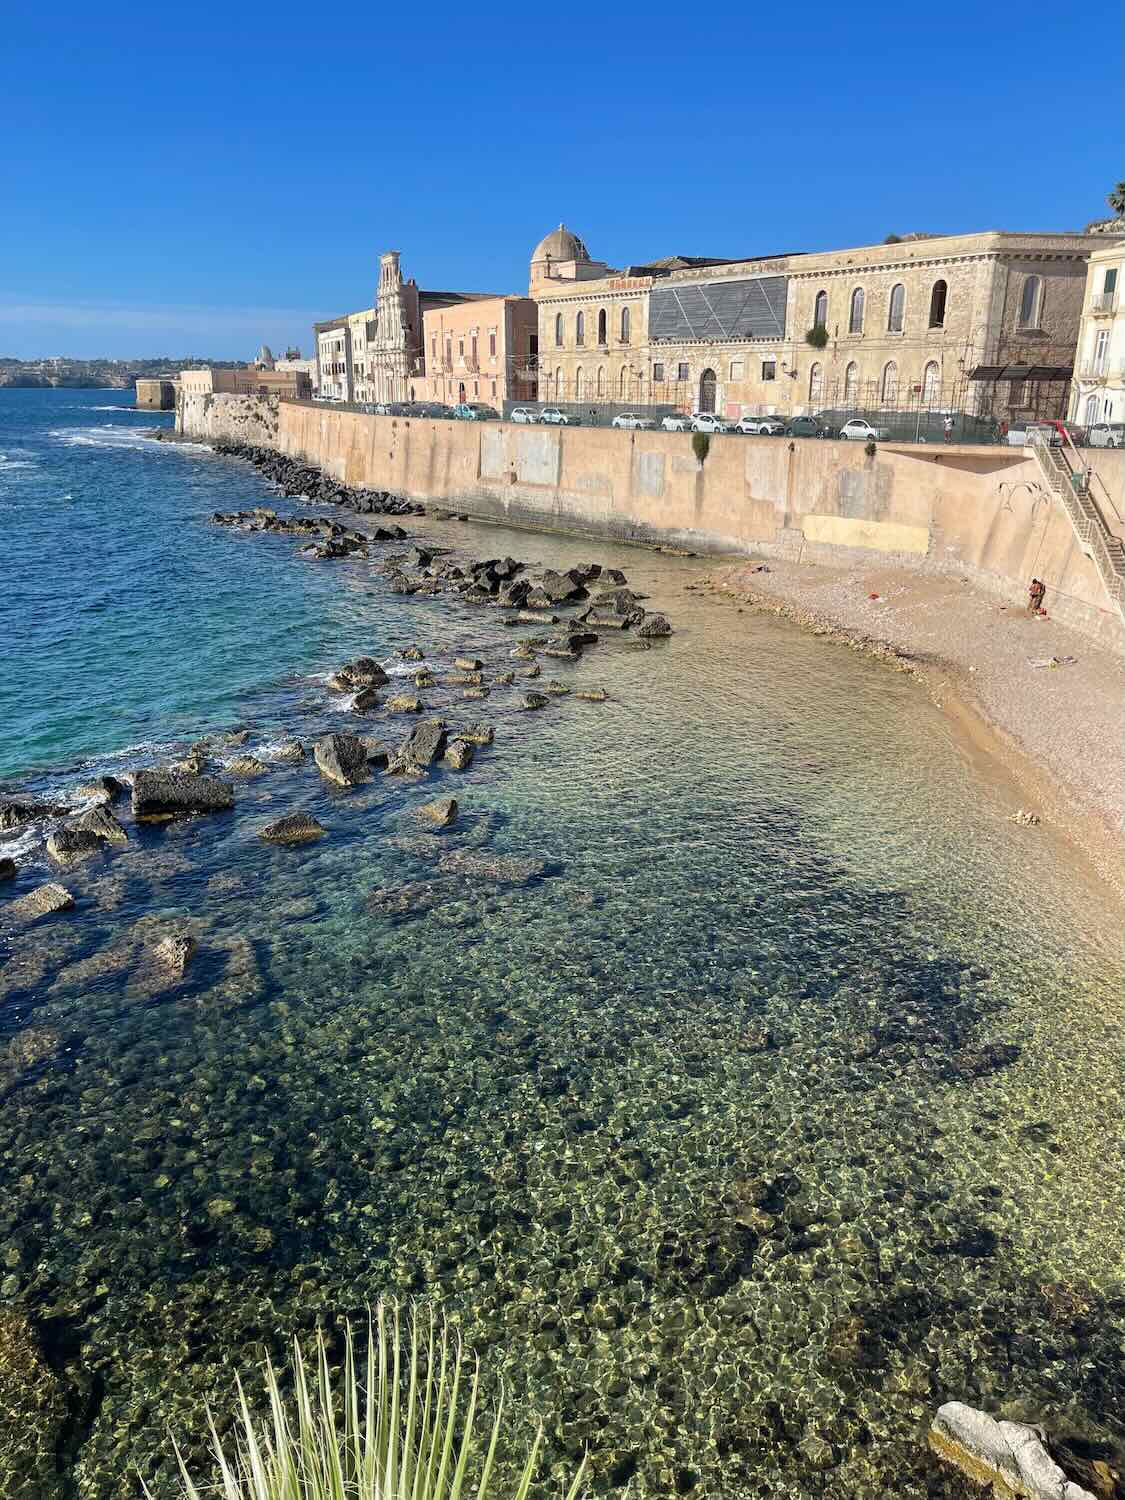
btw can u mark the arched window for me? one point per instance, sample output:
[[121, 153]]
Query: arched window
[[578, 384], [820, 310], [896, 308], [855, 317], [1091, 410], [558, 330], [707, 386], [931, 383], [621, 384], [601, 326], [851, 384], [559, 384], [625, 320], [601, 380], [937, 304], [1030, 309], [890, 384], [580, 329], [816, 384]]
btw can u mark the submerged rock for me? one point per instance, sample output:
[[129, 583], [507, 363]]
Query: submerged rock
[[33, 1400], [44, 901], [174, 952], [509, 869], [67, 846], [468, 664], [293, 828], [342, 758], [248, 766], [158, 795], [592, 695], [535, 700], [441, 813]]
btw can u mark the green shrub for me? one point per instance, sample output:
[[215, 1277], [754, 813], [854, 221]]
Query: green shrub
[[404, 1434], [701, 445], [817, 336]]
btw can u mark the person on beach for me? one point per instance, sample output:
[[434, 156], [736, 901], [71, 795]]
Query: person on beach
[[947, 428], [1035, 596]]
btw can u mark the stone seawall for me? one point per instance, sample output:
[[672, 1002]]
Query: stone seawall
[[978, 512]]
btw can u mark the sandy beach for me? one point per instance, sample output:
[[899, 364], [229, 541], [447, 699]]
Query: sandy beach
[[1056, 728]]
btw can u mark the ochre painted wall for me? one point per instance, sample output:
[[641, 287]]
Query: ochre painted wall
[[980, 512]]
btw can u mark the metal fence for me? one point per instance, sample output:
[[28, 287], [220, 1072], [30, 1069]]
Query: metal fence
[[596, 413]]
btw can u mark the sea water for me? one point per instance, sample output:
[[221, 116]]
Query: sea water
[[783, 1106]]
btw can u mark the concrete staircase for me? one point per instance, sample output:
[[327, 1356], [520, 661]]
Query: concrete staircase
[[1070, 481]]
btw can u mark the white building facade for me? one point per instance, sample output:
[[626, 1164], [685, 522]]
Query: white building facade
[[1098, 391]]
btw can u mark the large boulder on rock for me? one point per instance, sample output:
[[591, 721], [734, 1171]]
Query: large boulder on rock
[[342, 758], [293, 828], [427, 741], [101, 822], [365, 671], [1012, 1457], [158, 795], [67, 846], [440, 814], [44, 901], [560, 588]]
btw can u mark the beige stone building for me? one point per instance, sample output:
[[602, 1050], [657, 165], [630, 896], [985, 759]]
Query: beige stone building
[[980, 323], [482, 350], [249, 381], [1098, 394]]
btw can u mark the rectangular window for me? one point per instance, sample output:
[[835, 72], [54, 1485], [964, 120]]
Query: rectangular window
[[1101, 349], [474, 349], [433, 347], [492, 345], [1110, 284], [769, 369], [449, 351], [461, 348], [737, 369], [681, 372], [658, 372]]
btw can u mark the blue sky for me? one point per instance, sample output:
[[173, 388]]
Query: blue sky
[[200, 178]]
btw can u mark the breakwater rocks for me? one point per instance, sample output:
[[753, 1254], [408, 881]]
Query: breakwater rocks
[[304, 482]]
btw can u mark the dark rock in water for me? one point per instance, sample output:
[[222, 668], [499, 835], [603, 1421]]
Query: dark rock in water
[[580, 638], [608, 622], [377, 751], [101, 822], [458, 757], [365, 671], [561, 651], [441, 813], [411, 899], [342, 758], [524, 618], [531, 671], [592, 695], [101, 789], [174, 953], [509, 869], [67, 846], [617, 601], [557, 689], [975, 1062], [475, 692], [294, 828], [468, 664], [426, 742], [476, 734], [15, 815], [535, 700], [7, 869], [654, 627], [44, 901], [464, 679], [851, 1344], [635, 617], [558, 588], [505, 679], [248, 766], [522, 652], [289, 750], [365, 700], [400, 762], [423, 679], [168, 794], [233, 737], [613, 575], [412, 653]]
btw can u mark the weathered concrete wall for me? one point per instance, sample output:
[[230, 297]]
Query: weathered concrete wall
[[222, 418], [980, 512]]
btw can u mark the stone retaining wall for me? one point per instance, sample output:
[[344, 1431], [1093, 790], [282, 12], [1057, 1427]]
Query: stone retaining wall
[[980, 512]]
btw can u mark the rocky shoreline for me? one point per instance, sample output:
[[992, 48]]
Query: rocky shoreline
[[593, 600]]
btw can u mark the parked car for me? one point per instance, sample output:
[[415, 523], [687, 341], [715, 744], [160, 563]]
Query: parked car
[[525, 414], [807, 427], [760, 426], [1020, 433], [860, 431], [553, 416], [676, 422], [1106, 435], [475, 411], [710, 421], [634, 419]]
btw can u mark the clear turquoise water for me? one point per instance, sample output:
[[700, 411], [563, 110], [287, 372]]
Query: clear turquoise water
[[692, 1134]]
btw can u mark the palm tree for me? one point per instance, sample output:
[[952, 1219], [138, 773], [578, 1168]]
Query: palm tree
[[1116, 199], [406, 1434]]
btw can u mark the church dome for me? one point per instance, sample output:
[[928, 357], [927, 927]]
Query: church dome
[[560, 244]]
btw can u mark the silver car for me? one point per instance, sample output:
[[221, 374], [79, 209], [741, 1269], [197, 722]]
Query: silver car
[[676, 422], [633, 419], [553, 416], [524, 414], [860, 431], [761, 426], [709, 421]]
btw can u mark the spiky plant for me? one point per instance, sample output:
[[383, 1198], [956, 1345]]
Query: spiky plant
[[405, 1434]]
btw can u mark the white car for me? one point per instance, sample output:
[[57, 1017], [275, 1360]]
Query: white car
[[760, 426], [676, 422], [1106, 435], [524, 414], [859, 431], [709, 421], [554, 417], [633, 419]]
